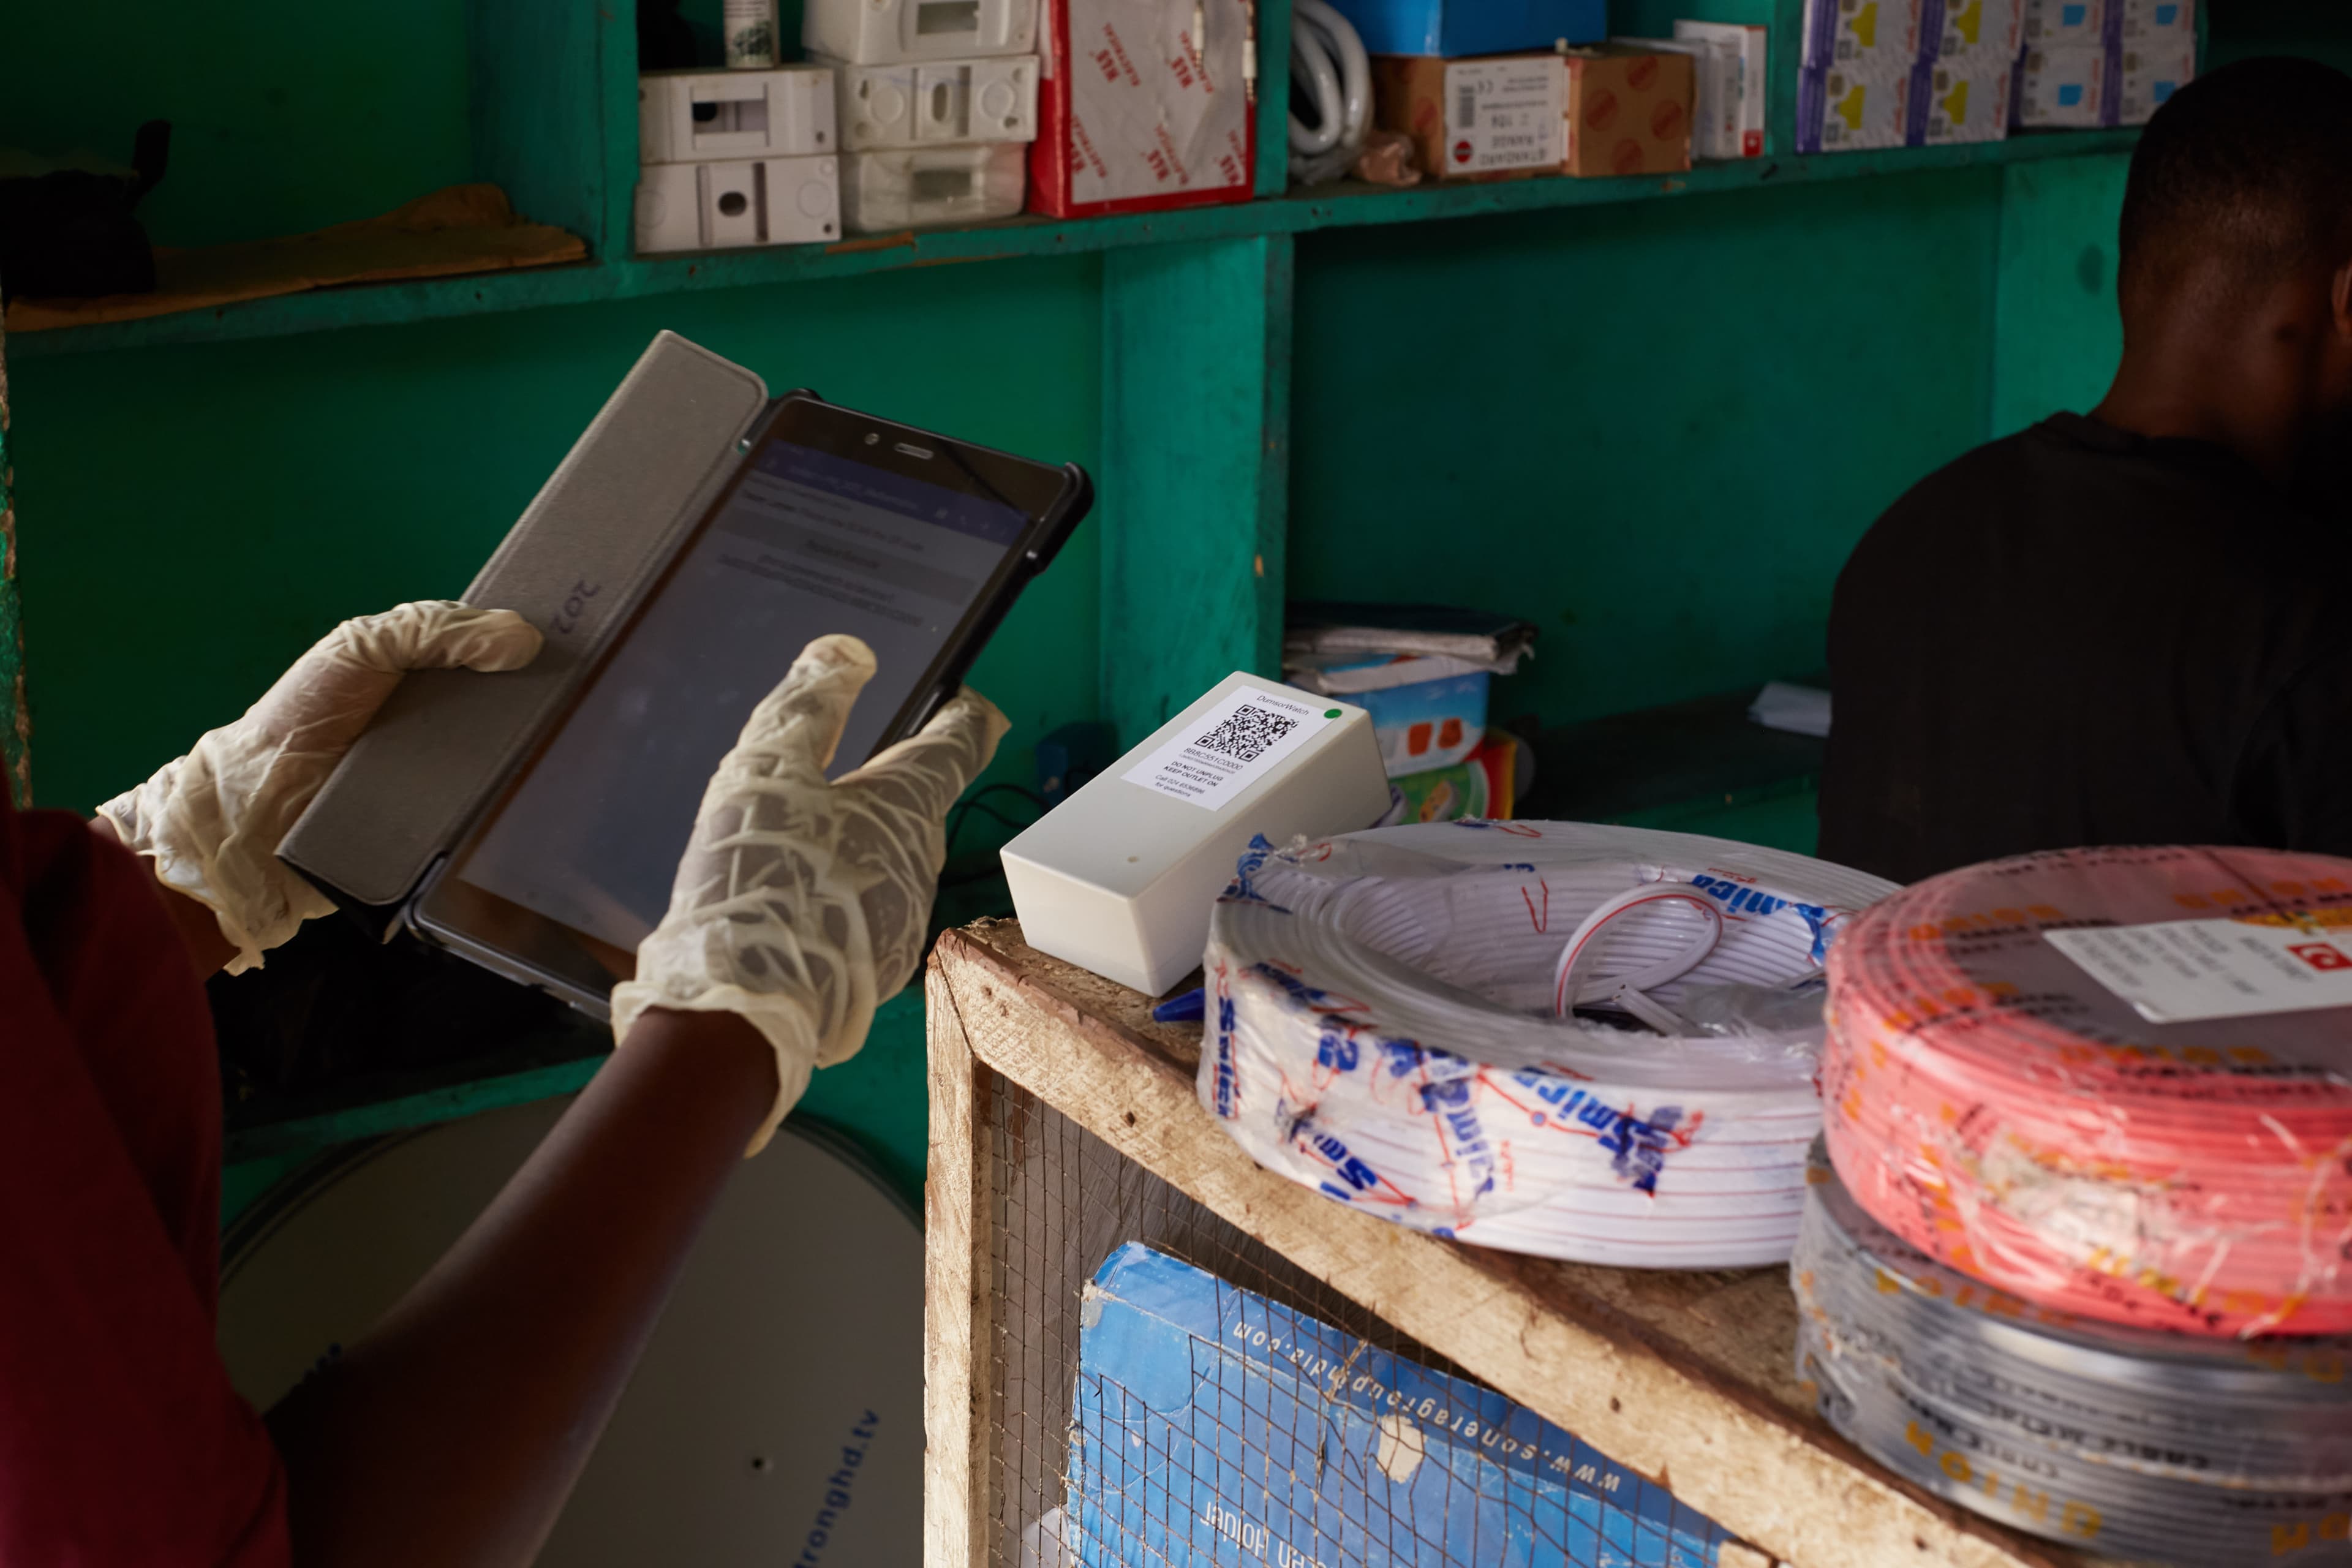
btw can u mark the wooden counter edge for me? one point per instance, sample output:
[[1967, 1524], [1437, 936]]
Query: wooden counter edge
[[958, 1299], [1785, 1482]]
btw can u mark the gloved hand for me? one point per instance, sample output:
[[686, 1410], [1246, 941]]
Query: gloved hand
[[212, 821], [800, 904]]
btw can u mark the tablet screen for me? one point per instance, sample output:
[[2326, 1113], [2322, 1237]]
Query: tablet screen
[[808, 544]]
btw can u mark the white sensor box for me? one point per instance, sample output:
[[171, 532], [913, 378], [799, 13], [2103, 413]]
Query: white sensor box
[[762, 200], [1119, 879], [935, 103], [920, 187], [694, 117], [888, 32]]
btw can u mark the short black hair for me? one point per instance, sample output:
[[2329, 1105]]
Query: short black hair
[[2249, 165]]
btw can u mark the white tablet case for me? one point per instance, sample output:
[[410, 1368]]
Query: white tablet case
[[585, 550]]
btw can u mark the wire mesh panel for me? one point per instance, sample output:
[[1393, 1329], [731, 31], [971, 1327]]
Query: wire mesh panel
[[1204, 1401]]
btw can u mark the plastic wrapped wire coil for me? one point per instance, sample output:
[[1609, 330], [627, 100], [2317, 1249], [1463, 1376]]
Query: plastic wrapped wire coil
[[2127, 1442], [1582, 1042], [2004, 1109]]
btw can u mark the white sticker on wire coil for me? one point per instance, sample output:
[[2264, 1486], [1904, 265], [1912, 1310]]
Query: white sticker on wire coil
[[1382, 1028], [2180, 972]]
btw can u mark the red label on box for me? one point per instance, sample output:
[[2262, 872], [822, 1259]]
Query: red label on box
[[1149, 116]]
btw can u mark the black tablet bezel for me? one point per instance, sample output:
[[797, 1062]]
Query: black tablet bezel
[[539, 951]]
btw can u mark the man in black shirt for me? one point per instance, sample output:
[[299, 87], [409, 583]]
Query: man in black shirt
[[2127, 628]]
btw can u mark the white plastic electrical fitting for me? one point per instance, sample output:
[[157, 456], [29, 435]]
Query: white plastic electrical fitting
[[1392, 1021], [1328, 59]]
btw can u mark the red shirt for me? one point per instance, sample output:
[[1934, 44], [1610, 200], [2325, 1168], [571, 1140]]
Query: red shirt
[[120, 1439]]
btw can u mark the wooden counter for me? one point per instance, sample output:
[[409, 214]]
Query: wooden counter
[[1686, 1378]]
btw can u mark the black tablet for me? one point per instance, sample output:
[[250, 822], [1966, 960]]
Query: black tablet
[[832, 521]]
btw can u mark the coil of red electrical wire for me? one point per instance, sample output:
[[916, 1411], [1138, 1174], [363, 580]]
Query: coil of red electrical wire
[[2117, 1082]]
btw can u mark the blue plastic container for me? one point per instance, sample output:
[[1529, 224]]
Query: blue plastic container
[[1452, 27]]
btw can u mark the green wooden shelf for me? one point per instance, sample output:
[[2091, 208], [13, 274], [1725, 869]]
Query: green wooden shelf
[[1329, 207]]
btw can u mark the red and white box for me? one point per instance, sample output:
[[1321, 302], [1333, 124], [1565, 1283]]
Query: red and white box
[[1135, 114]]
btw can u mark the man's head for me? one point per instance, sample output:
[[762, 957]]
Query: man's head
[[2235, 269], [2242, 180]]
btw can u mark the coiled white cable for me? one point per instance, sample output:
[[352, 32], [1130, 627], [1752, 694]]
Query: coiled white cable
[[1384, 1026], [1329, 67]]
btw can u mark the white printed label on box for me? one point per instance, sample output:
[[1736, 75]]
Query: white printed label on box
[[1505, 114], [1229, 747], [2178, 971]]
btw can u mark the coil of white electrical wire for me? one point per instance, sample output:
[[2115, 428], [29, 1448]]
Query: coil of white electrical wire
[[2127, 1442], [1329, 71], [1582, 1042]]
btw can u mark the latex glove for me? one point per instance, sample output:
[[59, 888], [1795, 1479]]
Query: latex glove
[[212, 821], [800, 904]]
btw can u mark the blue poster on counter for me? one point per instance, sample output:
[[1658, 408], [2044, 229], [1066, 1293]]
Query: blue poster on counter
[[1215, 1426]]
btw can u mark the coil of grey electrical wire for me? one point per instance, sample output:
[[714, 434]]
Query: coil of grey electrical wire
[[2130, 1443]]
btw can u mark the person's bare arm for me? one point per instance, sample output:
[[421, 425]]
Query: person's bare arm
[[453, 1433]]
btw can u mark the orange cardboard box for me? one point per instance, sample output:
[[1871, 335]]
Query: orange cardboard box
[[1491, 117], [1629, 112]]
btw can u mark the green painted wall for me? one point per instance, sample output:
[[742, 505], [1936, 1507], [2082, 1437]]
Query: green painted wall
[[194, 517], [285, 116], [1655, 429]]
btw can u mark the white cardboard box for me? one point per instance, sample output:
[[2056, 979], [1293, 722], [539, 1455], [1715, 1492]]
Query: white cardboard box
[[1119, 879], [936, 103], [2062, 88], [2152, 72], [2055, 24], [1842, 110], [1980, 27], [1876, 38], [1754, 86], [1961, 98], [2148, 21]]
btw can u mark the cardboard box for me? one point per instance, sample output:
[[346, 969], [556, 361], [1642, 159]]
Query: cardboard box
[[1842, 110], [1755, 91], [1493, 119], [1212, 1425], [1879, 38], [1965, 27], [2062, 88], [2056, 24], [1135, 114], [2149, 74], [1449, 29], [1963, 98], [2149, 22], [1715, 115], [1629, 113]]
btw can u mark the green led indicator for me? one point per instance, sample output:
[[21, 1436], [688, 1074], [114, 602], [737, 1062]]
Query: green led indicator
[[1330, 712]]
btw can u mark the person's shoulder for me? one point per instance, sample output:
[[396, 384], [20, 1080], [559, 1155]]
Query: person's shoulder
[[1956, 501]]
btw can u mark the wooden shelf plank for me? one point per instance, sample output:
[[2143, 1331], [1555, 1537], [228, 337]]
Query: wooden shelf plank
[[1686, 1378], [1326, 207]]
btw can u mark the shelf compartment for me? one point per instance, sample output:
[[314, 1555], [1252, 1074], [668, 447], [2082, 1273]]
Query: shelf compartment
[[1325, 207]]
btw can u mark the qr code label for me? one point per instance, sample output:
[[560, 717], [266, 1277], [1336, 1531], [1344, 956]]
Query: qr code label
[[1246, 732], [1226, 749]]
